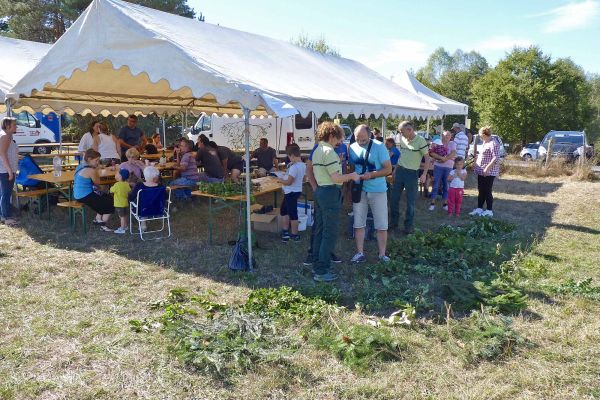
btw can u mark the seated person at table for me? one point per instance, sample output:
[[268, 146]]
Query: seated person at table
[[292, 189], [151, 176], [208, 158], [266, 158], [120, 191], [156, 141], [134, 165], [231, 161], [84, 189], [188, 170]]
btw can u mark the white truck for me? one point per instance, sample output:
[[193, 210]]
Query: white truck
[[31, 131], [229, 131]]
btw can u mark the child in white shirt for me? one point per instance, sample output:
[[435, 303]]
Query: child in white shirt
[[456, 181], [292, 189]]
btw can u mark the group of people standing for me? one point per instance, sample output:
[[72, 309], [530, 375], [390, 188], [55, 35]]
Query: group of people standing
[[371, 161]]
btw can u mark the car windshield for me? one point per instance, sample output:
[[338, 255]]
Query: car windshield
[[568, 139]]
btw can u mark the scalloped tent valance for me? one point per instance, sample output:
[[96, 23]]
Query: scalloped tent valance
[[22, 56], [123, 58]]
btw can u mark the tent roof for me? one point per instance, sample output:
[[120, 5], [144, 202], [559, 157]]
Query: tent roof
[[447, 106], [120, 57], [22, 57]]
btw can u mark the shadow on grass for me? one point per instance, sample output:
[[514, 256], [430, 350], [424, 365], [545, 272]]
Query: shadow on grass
[[280, 263], [524, 187], [577, 228]]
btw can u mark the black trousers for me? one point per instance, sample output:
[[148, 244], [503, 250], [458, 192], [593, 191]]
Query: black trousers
[[484, 186]]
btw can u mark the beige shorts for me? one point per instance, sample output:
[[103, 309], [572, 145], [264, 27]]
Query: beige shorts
[[378, 203]]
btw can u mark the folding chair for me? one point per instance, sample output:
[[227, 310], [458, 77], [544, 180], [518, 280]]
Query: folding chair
[[151, 204]]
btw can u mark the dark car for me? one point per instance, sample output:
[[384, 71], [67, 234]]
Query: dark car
[[567, 145]]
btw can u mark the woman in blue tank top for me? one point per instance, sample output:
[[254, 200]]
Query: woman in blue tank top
[[86, 176]]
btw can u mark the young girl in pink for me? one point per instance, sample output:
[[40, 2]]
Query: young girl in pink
[[456, 181]]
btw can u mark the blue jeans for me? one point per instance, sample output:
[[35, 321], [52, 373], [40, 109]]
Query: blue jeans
[[404, 179], [326, 228], [440, 176], [183, 193], [6, 188]]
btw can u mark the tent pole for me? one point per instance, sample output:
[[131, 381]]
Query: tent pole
[[428, 118], [164, 131], [248, 183], [8, 104], [383, 127]]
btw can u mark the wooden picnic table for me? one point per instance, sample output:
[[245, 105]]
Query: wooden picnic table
[[266, 186], [168, 153], [67, 178]]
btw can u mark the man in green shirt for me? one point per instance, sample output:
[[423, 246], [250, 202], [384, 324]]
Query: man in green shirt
[[412, 149]]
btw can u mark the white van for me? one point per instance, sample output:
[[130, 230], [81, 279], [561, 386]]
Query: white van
[[31, 131], [229, 131]]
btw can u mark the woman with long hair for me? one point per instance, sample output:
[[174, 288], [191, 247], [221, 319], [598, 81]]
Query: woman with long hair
[[87, 140], [107, 145]]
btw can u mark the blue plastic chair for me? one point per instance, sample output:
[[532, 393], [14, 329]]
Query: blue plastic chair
[[151, 204]]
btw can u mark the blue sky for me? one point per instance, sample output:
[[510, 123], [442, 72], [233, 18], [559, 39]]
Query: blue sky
[[390, 36]]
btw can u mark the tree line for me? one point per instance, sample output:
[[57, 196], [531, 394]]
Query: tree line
[[523, 97]]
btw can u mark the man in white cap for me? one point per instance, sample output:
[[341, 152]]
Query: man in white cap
[[461, 139]]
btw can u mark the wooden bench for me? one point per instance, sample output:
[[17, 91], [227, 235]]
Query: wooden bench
[[175, 187], [75, 208], [32, 194]]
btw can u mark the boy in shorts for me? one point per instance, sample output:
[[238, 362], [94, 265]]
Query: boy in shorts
[[292, 189], [121, 190]]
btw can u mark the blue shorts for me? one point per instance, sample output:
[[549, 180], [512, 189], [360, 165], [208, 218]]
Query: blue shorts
[[289, 205]]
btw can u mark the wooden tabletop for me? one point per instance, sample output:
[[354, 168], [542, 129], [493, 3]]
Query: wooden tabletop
[[168, 153], [69, 176], [269, 187]]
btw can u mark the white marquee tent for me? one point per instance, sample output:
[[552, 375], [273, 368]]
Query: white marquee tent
[[446, 106], [20, 57], [121, 58]]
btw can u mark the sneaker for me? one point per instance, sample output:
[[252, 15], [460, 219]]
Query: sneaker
[[384, 259], [487, 213], [328, 277], [476, 212], [432, 207], [358, 258], [445, 207], [309, 260], [285, 235], [335, 259], [105, 228], [294, 238], [120, 231]]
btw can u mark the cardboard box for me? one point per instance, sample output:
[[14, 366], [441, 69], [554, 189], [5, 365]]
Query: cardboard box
[[268, 222]]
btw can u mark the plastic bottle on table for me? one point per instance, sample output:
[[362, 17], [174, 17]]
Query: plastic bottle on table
[[57, 164]]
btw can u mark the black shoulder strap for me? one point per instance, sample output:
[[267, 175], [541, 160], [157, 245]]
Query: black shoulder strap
[[366, 158]]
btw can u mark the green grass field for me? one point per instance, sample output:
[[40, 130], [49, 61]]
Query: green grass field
[[67, 301]]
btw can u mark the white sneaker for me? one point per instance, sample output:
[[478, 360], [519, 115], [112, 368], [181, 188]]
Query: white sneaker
[[487, 213], [431, 207], [445, 208], [120, 231], [476, 212], [358, 258]]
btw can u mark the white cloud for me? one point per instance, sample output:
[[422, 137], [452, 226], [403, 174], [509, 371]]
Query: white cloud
[[502, 43], [575, 15], [398, 55]]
